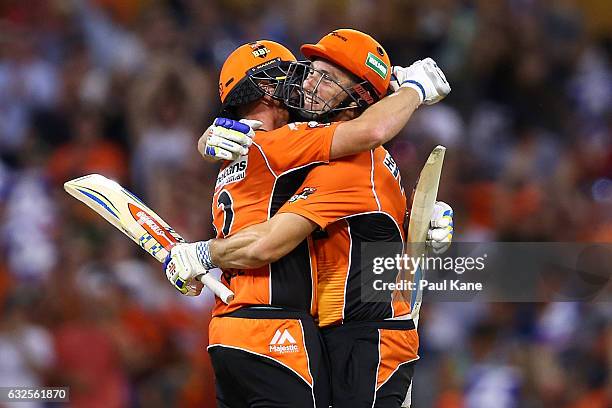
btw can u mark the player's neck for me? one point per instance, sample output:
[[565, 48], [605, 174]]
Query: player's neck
[[270, 113]]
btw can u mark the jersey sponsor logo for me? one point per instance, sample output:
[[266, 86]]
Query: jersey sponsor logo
[[283, 342], [233, 173], [303, 195], [377, 65]]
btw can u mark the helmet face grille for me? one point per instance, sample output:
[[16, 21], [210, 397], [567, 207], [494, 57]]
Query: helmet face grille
[[259, 81], [309, 104]]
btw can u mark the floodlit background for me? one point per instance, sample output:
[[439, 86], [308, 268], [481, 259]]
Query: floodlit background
[[125, 88]]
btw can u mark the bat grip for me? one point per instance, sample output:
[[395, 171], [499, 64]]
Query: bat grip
[[216, 287]]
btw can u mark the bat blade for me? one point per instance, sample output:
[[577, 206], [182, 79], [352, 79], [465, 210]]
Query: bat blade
[[135, 219], [420, 215]]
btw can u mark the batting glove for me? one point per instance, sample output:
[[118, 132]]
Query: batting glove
[[440, 232], [185, 263], [227, 139], [425, 77]]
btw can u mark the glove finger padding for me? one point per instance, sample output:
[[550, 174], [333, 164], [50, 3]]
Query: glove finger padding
[[442, 215], [438, 80], [440, 234], [220, 154], [244, 126], [252, 123], [439, 248], [232, 135], [225, 144]]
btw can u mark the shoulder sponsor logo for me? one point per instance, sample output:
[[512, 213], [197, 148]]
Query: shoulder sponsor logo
[[233, 173], [283, 342], [303, 195], [377, 65]]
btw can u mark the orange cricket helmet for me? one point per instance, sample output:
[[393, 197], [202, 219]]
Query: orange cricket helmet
[[240, 80], [356, 52]]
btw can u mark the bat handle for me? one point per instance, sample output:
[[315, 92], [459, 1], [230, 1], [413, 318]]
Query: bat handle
[[216, 287]]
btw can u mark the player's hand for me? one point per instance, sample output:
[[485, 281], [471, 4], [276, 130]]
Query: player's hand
[[182, 268], [227, 139], [440, 232], [425, 77]]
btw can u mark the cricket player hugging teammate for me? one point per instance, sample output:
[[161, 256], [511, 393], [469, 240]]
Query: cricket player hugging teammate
[[292, 205]]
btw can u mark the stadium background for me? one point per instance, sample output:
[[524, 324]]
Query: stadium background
[[125, 88]]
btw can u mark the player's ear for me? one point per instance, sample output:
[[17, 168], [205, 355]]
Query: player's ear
[[351, 113]]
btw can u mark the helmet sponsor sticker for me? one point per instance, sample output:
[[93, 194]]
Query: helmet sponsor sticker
[[259, 50], [377, 65]]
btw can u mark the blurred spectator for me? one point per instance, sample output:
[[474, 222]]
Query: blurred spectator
[[27, 83], [166, 109], [26, 349], [88, 152]]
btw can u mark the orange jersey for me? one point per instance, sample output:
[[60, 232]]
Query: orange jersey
[[354, 200], [250, 190]]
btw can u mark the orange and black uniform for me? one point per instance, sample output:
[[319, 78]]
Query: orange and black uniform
[[371, 342], [264, 346]]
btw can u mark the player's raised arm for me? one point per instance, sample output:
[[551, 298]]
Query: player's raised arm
[[346, 80], [422, 82]]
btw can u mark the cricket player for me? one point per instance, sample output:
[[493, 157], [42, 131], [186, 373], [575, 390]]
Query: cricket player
[[280, 337], [265, 342]]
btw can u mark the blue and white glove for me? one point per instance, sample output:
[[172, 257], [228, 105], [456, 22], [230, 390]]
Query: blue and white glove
[[228, 139], [425, 77], [440, 232], [185, 263]]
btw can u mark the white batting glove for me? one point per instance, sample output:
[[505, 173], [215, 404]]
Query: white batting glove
[[425, 77], [185, 263], [227, 139], [440, 232]]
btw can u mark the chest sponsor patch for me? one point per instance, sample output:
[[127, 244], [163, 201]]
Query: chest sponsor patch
[[233, 173]]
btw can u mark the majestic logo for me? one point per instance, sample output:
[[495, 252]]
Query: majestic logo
[[377, 65], [233, 173], [277, 344], [303, 195], [335, 34]]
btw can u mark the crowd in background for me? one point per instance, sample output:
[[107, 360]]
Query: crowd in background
[[125, 87]]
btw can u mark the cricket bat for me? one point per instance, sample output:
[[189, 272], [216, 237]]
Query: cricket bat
[[420, 215], [132, 217]]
